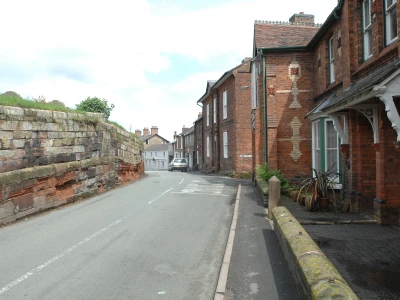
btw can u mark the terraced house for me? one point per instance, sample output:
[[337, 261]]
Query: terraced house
[[344, 77], [226, 133]]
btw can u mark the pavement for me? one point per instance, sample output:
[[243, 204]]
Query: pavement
[[257, 268], [367, 255]]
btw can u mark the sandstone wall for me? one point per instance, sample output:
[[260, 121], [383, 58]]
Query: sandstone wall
[[50, 158]]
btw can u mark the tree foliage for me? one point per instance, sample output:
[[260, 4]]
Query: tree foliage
[[97, 105]]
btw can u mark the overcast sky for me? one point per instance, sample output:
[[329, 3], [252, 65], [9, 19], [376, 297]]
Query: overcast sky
[[151, 59]]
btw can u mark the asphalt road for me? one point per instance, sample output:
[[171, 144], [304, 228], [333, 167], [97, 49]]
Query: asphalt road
[[162, 237]]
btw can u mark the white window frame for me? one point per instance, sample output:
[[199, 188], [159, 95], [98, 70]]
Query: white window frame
[[208, 114], [225, 141], [316, 146], [326, 148], [331, 60], [208, 146], [388, 20], [316, 143], [367, 28], [215, 110], [225, 104]]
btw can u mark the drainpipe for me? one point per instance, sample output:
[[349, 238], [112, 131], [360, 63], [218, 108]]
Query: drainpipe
[[265, 108]]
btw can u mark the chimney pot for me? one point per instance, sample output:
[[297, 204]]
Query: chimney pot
[[154, 130]]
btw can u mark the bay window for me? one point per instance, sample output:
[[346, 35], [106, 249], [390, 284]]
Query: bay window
[[325, 147]]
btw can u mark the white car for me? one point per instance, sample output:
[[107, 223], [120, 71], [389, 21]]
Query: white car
[[178, 164]]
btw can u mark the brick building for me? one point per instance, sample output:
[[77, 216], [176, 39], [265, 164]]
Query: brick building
[[282, 77], [151, 138], [198, 141], [344, 76], [189, 146], [226, 119]]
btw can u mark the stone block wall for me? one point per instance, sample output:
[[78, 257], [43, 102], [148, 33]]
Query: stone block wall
[[50, 158]]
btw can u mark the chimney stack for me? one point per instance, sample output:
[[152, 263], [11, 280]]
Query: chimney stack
[[200, 115], [138, 132], [184, 129], [154, 130], [145, 131], [302, 18]]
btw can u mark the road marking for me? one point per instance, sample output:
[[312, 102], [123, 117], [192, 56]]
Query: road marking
[[223, 274], [196, 188], [55, 258], [160, 196], [181, 181], [194, 193]]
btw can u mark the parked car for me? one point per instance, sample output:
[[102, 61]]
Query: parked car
[[178, 164]]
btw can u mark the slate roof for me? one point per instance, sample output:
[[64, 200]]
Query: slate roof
[[157, 147], [362, 85], [147, 137], [190, 130], [277, 36]]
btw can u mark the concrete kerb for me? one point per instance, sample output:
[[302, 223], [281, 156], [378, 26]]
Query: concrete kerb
[[314, 275]]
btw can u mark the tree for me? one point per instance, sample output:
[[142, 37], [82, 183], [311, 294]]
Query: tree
[[94, 104]]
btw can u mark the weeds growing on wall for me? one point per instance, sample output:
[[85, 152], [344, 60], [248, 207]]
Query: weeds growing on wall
[[265, 173], [16, 100]]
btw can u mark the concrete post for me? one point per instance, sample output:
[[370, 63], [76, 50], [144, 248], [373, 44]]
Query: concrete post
[[274, 194]]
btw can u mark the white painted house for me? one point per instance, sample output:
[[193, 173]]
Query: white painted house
[[156, 157]]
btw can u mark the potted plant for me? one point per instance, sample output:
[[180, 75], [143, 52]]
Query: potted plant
[[318, 186]]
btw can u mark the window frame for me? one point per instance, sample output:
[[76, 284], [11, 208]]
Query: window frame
[[225, 104], [319, 128], [208, 146], [316, 146], [208, 114], [366, 30], [215, 110], [326, 147], [388, 21], [225, 143], [331, 56]]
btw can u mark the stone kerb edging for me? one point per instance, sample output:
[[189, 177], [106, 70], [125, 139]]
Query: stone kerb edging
[[315, 276]]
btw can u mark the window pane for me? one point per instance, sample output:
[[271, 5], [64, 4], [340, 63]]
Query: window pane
[[367, 13], [317, 160], [331, 135], [393, 23], [331, 160]]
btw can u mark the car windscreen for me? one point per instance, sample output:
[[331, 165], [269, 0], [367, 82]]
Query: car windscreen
[[181, 160]]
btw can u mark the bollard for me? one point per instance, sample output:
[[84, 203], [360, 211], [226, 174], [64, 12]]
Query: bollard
[[274, 194]]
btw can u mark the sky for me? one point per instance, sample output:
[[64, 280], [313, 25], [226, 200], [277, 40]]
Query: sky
[[150, 58]]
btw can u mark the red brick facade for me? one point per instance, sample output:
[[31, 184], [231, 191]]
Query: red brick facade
[[334, 77], [231, 120]]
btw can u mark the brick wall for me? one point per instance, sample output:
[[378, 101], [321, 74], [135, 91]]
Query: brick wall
[[51, 158], [243, 122], [227, 125], [289, 81]]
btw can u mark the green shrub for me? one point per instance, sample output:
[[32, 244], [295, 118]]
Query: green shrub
[[96, 105], [265, 173]]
